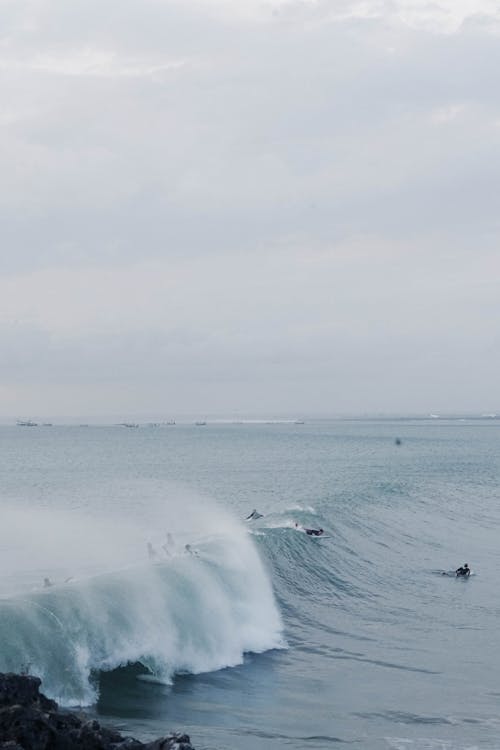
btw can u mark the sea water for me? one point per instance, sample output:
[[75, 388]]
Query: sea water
[[255, 635]]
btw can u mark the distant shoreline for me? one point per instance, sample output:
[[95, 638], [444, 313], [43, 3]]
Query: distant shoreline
[[193, 420]]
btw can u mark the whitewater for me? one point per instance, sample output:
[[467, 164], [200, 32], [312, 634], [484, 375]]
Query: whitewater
[[131, 583], [194, 601]]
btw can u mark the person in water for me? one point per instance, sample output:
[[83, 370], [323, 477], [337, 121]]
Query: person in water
[[310, 532], [463, 571], [169, 545], [254, 515]]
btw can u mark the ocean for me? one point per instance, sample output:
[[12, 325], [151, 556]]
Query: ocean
[[252, 634]]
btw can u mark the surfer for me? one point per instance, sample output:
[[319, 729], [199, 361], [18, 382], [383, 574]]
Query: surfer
[[463, 571], [254, 515], [151, 552], [310, 532], [169, 544]]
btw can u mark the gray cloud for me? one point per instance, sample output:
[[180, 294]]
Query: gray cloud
[[251, 206]]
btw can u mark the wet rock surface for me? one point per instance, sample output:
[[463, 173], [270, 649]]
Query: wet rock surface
[[30, 721]]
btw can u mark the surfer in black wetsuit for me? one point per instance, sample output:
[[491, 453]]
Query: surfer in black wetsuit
[[463, 571], [254, 515], [314, 532], [309, 532]]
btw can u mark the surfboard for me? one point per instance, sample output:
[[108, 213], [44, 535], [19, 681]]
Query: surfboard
[[452, 574]]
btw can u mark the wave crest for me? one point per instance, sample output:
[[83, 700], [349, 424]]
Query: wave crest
[[194, 611]]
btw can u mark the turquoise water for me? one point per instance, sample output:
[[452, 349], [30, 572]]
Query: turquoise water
[[264, 637]]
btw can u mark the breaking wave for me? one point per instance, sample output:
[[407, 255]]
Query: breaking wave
[[193, 608]]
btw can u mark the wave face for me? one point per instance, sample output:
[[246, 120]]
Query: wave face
[[193, 609]]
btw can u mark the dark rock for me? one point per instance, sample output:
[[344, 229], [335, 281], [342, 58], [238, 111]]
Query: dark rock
[[30, 721], [23, 690], [175, 742]]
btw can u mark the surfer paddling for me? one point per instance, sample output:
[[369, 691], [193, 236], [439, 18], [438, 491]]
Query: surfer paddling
[[463, 571], [310, 532]]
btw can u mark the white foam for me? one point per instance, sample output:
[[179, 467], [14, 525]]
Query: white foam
[[185, 613]]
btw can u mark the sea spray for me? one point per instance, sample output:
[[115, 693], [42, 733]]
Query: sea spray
[[196, 603]]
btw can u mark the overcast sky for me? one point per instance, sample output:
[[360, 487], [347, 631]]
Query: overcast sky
[[245, 207]]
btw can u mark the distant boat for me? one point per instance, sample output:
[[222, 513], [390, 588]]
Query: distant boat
[[26, 423], [299, 421], [129, 424], [170, 422], [200, 424], [47, 424]]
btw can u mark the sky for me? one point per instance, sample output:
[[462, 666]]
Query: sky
[[238, 207]]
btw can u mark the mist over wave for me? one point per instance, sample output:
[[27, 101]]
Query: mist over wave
[[107, 603]]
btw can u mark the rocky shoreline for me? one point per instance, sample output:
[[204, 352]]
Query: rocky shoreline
[[31, 721]]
